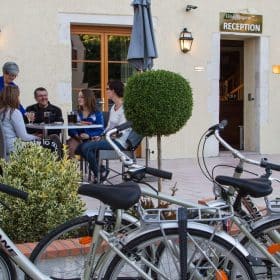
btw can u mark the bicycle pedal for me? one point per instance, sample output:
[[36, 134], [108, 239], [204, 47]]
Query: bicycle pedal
[[274, 205], [255, 261]]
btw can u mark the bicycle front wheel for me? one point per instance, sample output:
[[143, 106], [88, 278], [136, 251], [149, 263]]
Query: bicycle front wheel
[[62, 253], [7, 269], [208, 258], [267, 234]]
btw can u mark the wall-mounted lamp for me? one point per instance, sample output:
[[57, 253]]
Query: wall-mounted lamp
[[190, 7], [186, 40], [276, 69]]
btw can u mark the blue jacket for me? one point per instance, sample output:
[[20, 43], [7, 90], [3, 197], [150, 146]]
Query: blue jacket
[[93, 118], [12, 84]]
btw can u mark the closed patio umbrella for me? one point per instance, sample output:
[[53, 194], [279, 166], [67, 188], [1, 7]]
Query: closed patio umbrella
[[142, 48]]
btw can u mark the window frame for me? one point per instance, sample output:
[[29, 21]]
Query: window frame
[[104, 32]]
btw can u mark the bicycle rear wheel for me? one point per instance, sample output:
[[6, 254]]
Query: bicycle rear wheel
[[208, 258]]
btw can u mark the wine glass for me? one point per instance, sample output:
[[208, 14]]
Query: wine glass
[[30, 116]]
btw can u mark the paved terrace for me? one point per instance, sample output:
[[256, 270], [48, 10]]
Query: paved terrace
[[189, 180]]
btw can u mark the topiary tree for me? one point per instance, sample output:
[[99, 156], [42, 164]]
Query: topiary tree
[[52, 187], [158, 103]]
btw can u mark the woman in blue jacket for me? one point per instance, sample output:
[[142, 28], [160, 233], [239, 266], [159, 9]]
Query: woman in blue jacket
[[87, 113]]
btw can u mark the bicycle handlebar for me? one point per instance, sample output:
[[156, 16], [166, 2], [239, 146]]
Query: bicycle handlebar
[[123, 126], [219, 126], [127, 161], [13, 192], [158, 173], [266, 164], [262, 163]]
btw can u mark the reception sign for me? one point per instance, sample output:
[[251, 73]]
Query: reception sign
[[240, 23]]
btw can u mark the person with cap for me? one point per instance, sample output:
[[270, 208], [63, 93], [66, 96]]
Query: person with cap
[[10, 72]]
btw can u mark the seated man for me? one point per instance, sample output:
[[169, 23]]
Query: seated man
[[43, 105]]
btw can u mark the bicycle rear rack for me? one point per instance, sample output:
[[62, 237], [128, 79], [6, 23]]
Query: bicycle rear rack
[[203, 214]]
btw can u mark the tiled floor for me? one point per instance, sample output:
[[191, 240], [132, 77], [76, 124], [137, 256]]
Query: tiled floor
[[189, 180]]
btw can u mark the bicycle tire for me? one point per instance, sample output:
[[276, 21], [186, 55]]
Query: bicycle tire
[[260, 233], [7, 269], [57, 264], [237, 265]]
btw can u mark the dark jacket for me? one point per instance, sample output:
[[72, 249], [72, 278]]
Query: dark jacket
[[56, 115]]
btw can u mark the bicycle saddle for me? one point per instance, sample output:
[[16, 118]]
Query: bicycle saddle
[[121, 196], [256, 187]]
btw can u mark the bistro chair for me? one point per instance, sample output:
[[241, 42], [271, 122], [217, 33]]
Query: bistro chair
[[133, 142]]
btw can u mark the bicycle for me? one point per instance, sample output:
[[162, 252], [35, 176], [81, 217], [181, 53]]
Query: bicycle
[[256, 230], [147, 249], [259, 235]]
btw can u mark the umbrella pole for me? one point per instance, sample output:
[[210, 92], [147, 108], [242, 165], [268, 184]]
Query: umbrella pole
[[147, 151]]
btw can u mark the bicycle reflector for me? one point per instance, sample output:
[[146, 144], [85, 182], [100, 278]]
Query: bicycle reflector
[[221, 275], [85, 240], [274, 248]]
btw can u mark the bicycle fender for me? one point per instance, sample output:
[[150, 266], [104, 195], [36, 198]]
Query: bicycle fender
[[191, 225], [264, 220]]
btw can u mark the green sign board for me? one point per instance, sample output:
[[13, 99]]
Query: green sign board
[[240, 23]]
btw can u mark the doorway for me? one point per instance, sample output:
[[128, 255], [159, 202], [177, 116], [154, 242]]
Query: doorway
[[231, 89]]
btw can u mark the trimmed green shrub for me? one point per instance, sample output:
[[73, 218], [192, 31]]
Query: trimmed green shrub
[[52, 187], [157, 102]]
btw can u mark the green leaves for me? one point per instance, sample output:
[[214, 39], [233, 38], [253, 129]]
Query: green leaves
[[158, 102], [52, 186]]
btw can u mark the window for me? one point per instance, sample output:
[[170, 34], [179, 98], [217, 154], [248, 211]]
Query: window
[[98, 55]]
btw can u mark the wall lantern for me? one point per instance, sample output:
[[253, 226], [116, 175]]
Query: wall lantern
[[186, 40], [276, 69]]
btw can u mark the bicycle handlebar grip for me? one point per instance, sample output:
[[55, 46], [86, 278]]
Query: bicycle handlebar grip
[[222, 124], [123, 126], [219, 126], [158, 173], [13, 192], [266, 164]]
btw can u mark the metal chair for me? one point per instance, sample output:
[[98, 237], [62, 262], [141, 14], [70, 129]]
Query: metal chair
[[133, 141]]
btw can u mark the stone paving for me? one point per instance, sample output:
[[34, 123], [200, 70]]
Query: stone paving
[[189, 180]]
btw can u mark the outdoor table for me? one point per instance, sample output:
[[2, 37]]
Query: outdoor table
[[63, 126]]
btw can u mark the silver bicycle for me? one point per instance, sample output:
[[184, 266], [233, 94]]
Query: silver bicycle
[[161, 244]]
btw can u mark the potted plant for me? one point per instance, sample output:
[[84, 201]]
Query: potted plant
[[159, 103], [52, 187]]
